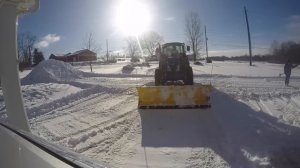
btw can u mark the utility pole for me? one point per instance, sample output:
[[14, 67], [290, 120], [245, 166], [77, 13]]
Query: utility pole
[[206, 43], [107, 50], [249, 36]]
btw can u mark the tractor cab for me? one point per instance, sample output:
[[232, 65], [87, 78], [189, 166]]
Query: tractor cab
[[173, 65], [170, 50], [173, 49]]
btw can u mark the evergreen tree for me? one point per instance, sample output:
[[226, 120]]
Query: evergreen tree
[[37, 57]]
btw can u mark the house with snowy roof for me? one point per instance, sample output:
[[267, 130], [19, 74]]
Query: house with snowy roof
[[78, 56]]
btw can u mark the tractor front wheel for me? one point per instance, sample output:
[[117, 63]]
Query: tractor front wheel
[[189, 77]]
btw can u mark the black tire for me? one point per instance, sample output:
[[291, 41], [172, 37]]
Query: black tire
[[157, 78], [189, 76]]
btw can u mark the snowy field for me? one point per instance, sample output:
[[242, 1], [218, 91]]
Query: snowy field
[[218, 68], [254, 120]]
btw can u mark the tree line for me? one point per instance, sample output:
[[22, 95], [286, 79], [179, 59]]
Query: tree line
[[289, 50], [144, 44], [279, 53], [28, 55], [147, 43]]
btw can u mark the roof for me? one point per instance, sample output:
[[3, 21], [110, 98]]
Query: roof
[[68, 54], [172, 43], [75, 53], [58, 55], [81, 51]]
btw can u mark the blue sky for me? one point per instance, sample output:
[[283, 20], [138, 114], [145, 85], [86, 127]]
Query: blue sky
[[61, 25]]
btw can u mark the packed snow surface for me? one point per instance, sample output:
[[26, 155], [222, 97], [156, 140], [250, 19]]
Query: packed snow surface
[[254, 120], [39, 94]]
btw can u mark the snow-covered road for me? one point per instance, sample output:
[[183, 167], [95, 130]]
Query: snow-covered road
[[254, 121]]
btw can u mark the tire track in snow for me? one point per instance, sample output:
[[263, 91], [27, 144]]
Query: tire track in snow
[[98, 125], [105, 139], [95, 136], [77, 104], [86, 116], [114, 145], [109, 139], [82, 113], [71, 100]]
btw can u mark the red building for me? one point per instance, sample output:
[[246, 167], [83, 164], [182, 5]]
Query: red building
[[78, 56]]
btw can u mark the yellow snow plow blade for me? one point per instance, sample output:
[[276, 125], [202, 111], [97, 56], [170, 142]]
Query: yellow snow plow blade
[[188, 96]]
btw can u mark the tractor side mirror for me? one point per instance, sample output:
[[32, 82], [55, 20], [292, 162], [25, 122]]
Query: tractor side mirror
[[188, 48]]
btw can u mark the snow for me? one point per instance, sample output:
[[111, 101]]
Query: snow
[[259, 69], [103, 69], [117, 69], [39, 94], [52, 71], [254, 120], [24, 73]]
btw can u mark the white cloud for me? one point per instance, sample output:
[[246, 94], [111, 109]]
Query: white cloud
[[170, 18], [294, 22], [294, 17], [47, 40]]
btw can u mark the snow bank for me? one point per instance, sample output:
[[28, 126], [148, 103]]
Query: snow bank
[[52, 71], [69, 100]]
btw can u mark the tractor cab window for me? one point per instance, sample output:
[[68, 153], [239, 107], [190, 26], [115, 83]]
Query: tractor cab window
[[173, 50]]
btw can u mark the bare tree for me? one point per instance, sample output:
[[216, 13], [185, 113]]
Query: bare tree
[[26, 43], [194, 32], [21, 46], [30, 45], [90, 43], [150, 41], [132, 46]]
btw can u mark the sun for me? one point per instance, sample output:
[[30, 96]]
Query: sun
[[132, 17]]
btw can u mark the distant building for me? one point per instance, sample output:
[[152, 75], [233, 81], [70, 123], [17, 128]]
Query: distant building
[[78, 56]]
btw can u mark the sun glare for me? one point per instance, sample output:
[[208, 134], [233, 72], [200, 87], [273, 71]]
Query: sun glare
[[132, 17]]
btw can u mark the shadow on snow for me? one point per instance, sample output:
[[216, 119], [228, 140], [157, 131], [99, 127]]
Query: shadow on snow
[[229, 128]]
